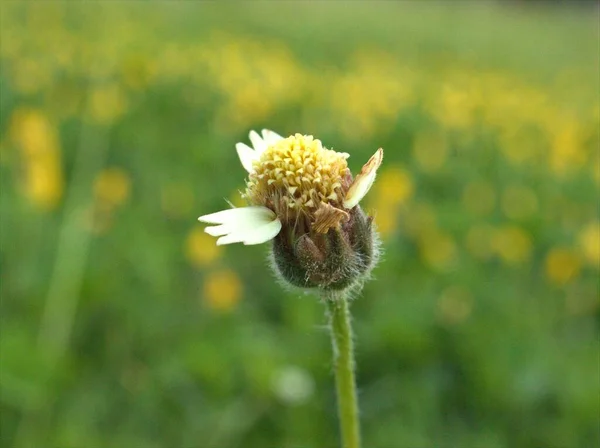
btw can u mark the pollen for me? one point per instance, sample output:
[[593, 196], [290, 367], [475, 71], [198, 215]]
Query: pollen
[[298, 174]]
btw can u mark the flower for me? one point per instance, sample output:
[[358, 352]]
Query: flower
[[562, 265], [295, 180], [302, 196], [222, 290], [512, 244], [39, 141], [199, 249], [112, 187], [589, 243]]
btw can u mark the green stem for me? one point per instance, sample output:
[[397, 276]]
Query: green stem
[[343, 356]]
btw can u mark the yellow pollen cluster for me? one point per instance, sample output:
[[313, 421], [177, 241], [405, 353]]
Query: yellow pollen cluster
[[297, 173]]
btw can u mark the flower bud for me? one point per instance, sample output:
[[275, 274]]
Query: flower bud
[[336, 260]]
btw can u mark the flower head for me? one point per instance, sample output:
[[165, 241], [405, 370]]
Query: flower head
[[303, 197], [296, 175]]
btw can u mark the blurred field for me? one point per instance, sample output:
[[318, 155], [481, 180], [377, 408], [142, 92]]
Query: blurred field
[[123, 325]]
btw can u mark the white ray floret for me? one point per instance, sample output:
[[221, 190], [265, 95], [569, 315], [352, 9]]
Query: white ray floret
[[270, 137], [248, 155], [257, 142], [248, 225], [363, 181]]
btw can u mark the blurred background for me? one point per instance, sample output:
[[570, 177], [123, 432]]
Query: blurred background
[[123, 325]]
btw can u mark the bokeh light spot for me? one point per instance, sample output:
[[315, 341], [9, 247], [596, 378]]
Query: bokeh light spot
[[200, 248], [222, 290], [454, 305], [512, 244], [112, 187], [589, 243], [562, 265]]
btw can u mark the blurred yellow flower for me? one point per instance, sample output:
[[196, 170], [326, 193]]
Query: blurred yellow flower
[[562, 265], [250, 102], [254, 77], [33, 132], [172, 62], [222, 290], [567, 150], [200, 248], [455, 105], [370, 94], [454, 305], [512, 244], [430, 150], [510, 105], [112, 187], [107, 103], [44, 184], [519, 202], [479, 198], [437, 249], [38, 141], [385, 220], [138, 71], [394, 186], [589, 243], [479, 241]]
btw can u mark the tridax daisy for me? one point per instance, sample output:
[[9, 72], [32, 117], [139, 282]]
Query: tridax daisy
[[303, 196]]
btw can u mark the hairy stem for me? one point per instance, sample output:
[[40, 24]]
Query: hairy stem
[[343, 357]]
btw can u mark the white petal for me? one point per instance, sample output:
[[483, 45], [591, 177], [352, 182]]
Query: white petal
[[270, 137], [230, 239], [256, 234], [248, 225], [257, 142], [363, 181], [264, 233], [221, 230], [240, 215], [247, 155]]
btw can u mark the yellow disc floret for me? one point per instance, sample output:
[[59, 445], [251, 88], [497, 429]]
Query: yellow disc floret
[[298, 174]]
